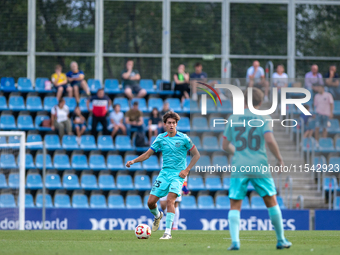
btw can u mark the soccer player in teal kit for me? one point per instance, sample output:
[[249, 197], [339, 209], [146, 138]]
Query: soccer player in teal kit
[[174, 146], [248, 144]]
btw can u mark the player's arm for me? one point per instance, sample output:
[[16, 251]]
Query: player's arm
[[195, 157], [273, 147], [141, 158], [227, 146]]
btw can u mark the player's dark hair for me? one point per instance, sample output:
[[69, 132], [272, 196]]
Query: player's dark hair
[[257, 97], [198, 64], [171, 115], [58, 67]]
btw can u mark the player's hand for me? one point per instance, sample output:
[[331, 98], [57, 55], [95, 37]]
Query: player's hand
[[281, 164], [129, 163], [183, 174]]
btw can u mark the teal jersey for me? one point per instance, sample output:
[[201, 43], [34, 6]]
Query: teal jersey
[[174, 150], [250, 149]]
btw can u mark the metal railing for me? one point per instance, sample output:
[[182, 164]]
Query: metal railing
[[289, 192], [299, 202]]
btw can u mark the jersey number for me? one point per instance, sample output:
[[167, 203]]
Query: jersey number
[[157, 184], [249, 142]]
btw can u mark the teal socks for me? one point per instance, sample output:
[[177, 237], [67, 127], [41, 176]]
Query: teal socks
[[155, 212], [234, 223], [276, 218], [169, 219]]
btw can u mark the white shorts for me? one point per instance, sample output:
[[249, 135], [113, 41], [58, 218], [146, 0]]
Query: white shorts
[[178, 199], [153, 127]]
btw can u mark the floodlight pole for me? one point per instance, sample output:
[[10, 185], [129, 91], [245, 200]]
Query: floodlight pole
[[31, 21], [44, 187], [166, 35]]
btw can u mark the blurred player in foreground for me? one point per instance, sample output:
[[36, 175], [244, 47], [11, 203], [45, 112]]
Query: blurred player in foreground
[[174, 146], [248, 144]]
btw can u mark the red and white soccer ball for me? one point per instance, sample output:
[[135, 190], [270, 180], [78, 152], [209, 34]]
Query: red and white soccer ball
[[143, 231]]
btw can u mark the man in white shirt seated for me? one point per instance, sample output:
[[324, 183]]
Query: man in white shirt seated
[[255, 77], [280, 78]]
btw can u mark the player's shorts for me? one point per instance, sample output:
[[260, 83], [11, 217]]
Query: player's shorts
[[178, 199], [239, 186], [167, 182]]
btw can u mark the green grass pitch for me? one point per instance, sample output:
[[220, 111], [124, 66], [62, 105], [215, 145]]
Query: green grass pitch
[[183, 242]]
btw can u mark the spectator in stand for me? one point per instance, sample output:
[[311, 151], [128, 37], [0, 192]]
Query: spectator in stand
[[255, 77], [332, 82], [130, 80], [76, 78], [117, 118], [60, 118], [306, 121], [201, 76], [59, 81], [182, 82], [79, 123], [280, 78], [313, 79], [155, 123], [100, 106], [134, 118], [324, 105], [166, 108]]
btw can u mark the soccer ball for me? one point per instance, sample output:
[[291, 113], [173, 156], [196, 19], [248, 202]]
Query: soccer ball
[[143, 231]]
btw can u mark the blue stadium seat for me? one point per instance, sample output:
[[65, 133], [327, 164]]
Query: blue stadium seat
[[40, 85], [123, 102], [115, 162], [7, 122], [82, 105], [188, 202], [3, 103], [97, 162], [116, 201], [211, 108], [39, 161], [155, 102], [210, 143], [336, 203], [52, 142], [50, 102], [48, 201], [183, 124], [111, 86], [151, 164], [79, 162], [204, 160], [163, 92], [319, 160], [147, 84], [123, 143], [334, 161], [80, 201], [7, 161], [280, 202], [69, 142], [7, 84], [71, 181], [205, 202], [34, 181], [220, 160], [245, 203], [133, 202], [16, 103], [53, 181], [197, 141], [106, 182], [3, 141], [190, 106], [7, 201], [124, 182], [94, 85], [222, 202], [25, 85], [105, 143], [174, 104], [3, 181], [29, 202], [33, 103], [195, 183], [61, 162], [88, 182], [337, 145], [226, 183], [336, 110], [62, 201], [142, 182], [200, 124], [38, 120], [141, 104], [14, 140], [329, 182], [136, 166], [98, 201], [71, 103], [308, 143], [334, 128], [326, 145], [89, 124], [219, 126], [225, 108], [25, 122], [87, 142], [29, 163], [213, 183], [257, 203]]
